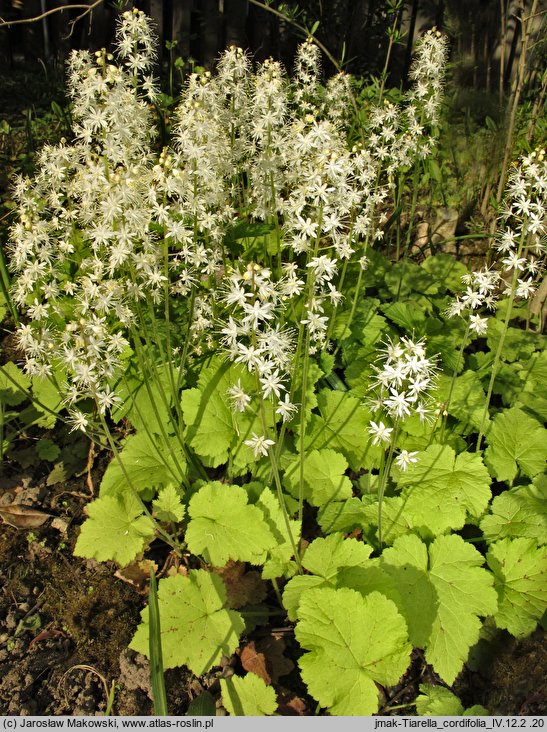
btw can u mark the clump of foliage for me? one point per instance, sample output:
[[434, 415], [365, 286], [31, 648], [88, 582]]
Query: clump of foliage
[[300, 401]]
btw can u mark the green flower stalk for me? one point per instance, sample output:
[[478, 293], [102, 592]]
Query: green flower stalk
[[521, 242]]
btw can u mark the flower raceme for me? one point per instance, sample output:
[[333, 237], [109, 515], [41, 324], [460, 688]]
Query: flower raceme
[[519, 245], [403, 385], [244, 226], [403, 382]]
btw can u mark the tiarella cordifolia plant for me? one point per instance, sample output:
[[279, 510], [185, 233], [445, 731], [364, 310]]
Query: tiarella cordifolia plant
[[229, 297], [111, 209], [402, 389], [522, 242], [83, 250], [519, 247]]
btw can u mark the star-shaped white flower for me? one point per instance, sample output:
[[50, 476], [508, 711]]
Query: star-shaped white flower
[[406, 458], [259, 444], [380, 432]]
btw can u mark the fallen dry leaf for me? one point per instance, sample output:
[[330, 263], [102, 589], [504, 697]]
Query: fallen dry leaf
[[266, 658], [273, 648], [23, 517], [243, 588], [254, 662], [137, 574], [60, 524], [290, 705]]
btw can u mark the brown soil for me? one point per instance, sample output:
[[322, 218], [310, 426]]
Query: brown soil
[[65, 623]]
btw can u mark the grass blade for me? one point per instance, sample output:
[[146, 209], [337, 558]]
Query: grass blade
[[156, 659]]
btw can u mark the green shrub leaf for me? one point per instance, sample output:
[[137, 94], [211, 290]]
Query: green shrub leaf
[[353, 642], [324, 479], [196, 629], [442, 489], [248, 696], [519, 512], [520, 570], [223, 526], [116, 529], [148, 464], [516, 442]]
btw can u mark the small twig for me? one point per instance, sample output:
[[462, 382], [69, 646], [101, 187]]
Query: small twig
[[86, 8], [89, 465], [534, 15]]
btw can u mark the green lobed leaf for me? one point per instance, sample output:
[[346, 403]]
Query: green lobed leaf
[[533, 400], [9, 392], [213, 428], [314, 374], [224, 526], [534, 395], [248, 696], [202, 706], [353, 642], [210, 429], [510, 381], [441, 490], [343, 426], [324, 558], [358, 375], [50, 398], [516, 442], [520, 571], [46, 449], [518, 345], [519, 512], [145, 402], [148, 463], [116, 530], [279, 561], [406, 277], [341, 516], [438, 701], [406, 315], [196, 629], [396, 521], [467, 400], [446, 270], [366, 329], [446, 342], [168, 506], [324, 477], [463, 591], [403, 579]]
